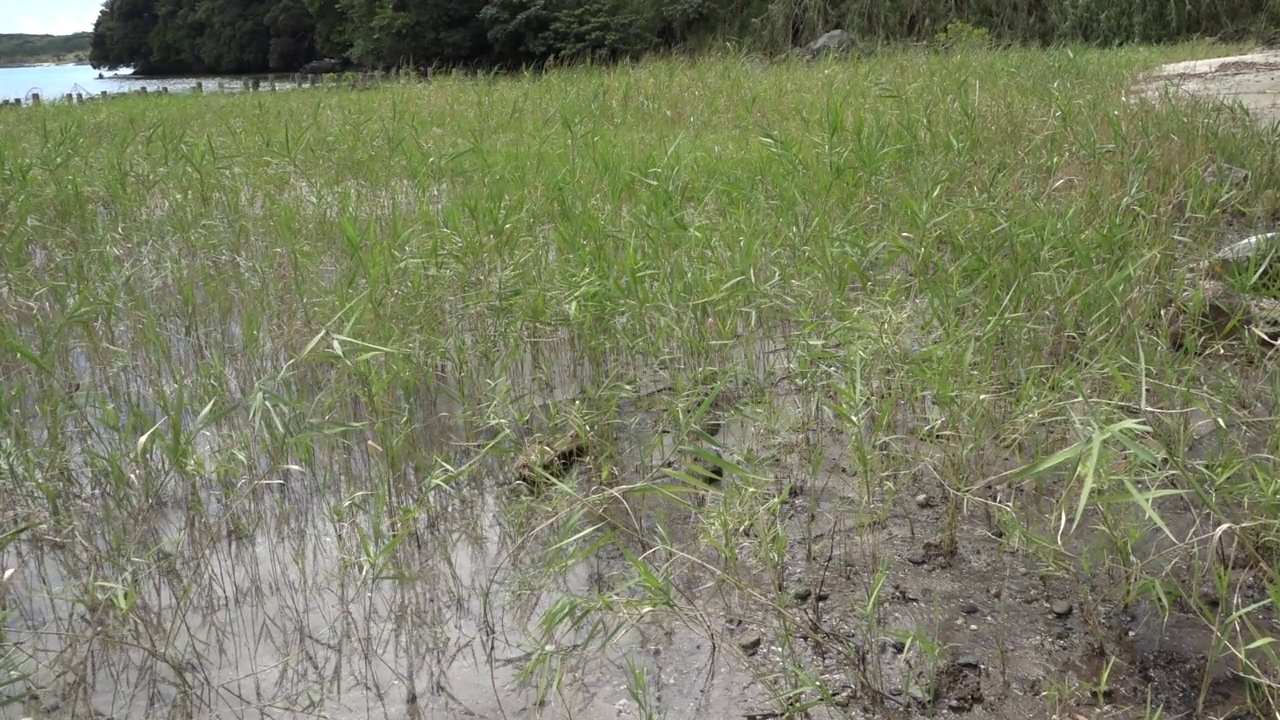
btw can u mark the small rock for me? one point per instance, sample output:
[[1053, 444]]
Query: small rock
[[916, 557], [1229, 174], [968, 661], [1061, 634], [836, 41], [1061, 608], [910, 595], [751, 644], [824, 596], [895, 691], [897, 646], [968, 608], [924, 500], [802, 594]]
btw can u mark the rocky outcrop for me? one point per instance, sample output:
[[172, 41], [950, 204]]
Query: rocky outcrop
[[836, 42], [322, 67]]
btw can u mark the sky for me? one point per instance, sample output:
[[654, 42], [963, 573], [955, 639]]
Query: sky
[[48, 17]]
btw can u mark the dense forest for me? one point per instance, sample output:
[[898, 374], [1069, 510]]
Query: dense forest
[[248, 36], [25, 49]]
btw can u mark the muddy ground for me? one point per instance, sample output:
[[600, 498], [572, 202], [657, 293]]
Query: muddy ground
[[915, 603], [924, 603]]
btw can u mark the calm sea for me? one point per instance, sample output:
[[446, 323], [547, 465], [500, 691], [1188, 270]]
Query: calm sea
[[53, 82]]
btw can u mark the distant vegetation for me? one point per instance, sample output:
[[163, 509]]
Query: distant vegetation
[[30, 49], [231, 36]]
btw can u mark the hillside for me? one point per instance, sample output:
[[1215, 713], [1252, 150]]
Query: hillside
[[17, 49]]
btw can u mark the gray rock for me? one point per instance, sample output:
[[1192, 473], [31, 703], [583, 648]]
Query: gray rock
[[1061, 608], [751, 644], [321, 67], [924, 500], [1249, 257], [968, 608], [968, 661], [1229, 174], [802, 594], [836, 41]]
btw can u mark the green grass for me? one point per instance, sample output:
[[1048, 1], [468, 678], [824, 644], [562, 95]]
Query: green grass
[[263, 354]]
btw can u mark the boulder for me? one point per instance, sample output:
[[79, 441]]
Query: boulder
[[321, 67], [836, 41]]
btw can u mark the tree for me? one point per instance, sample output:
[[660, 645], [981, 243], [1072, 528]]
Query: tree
[[122, 34], [391, 33], [535, 30], [293, 32]]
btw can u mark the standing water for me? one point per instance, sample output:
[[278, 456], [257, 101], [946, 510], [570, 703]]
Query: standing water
[[56, 81]]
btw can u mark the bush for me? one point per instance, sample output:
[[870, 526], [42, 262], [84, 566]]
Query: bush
[[962, 35], [522, 31]]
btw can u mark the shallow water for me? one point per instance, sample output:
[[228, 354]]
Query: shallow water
[[56, 81]]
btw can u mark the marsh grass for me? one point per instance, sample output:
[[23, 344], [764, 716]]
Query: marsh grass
[[266, 360]]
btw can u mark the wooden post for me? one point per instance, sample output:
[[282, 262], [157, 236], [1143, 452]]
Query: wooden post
[[199, 87], [222, 87], [244, 84], [143, 90], [164, 90], [271, 84], [256, 84], [311, 79]]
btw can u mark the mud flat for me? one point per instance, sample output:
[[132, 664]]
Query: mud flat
[[1251, 80]]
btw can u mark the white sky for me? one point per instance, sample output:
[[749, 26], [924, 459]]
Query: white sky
[[48, 17]]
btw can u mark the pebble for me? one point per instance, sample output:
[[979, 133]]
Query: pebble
[[751, 644], [802, 594], [924, 500], [915, 557], [967, 661], [823, 596], [968, 608], [1061, 608]]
